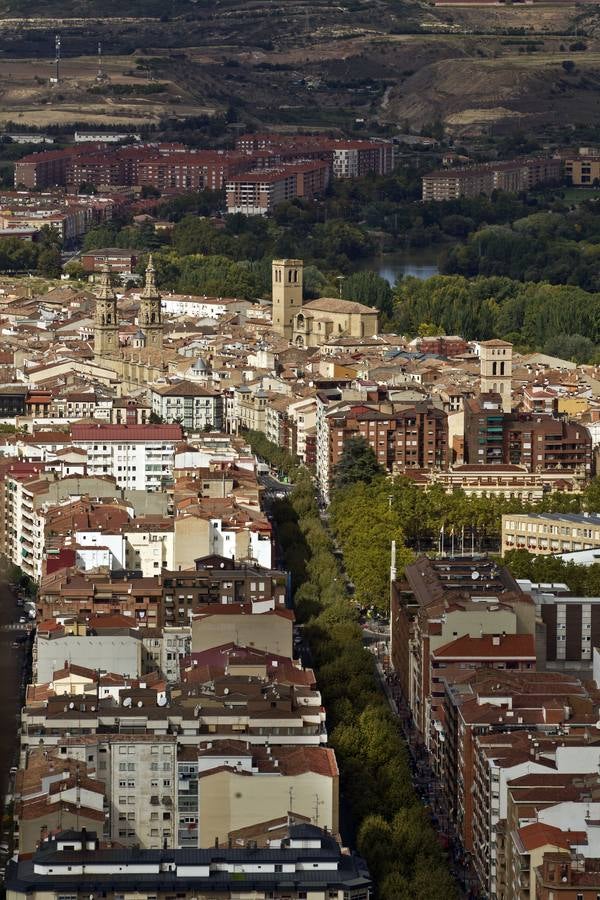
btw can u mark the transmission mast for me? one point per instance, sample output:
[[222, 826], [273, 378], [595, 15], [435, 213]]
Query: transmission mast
[[56, 79]]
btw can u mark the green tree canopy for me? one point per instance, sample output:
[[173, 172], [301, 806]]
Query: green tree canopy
[[357, 463]]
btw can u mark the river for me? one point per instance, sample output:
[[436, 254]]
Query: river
[[422, 262]]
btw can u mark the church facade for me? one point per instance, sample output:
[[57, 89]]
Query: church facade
[[316, 322], [143, 362]]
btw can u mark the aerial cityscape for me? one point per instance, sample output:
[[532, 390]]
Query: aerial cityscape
[[300, 450]]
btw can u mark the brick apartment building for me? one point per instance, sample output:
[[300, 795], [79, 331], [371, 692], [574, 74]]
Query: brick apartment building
[[402, 437], [350, 158], [472, 181], [536, 441], [42, 170], [257, 193], [167, 599], [118, 259], [439, 601]]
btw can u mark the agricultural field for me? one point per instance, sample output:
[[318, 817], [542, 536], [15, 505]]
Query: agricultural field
[[295, 63]]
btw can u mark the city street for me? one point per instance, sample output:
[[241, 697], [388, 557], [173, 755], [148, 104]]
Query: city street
[[427, 786]]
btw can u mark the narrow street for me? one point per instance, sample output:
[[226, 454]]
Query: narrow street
[[427, 785], [14, 674]]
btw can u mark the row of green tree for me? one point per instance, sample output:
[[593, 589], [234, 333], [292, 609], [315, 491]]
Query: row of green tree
[[41, 257], [559, 247], [559, 319], [393, 831], [271, 453], [583, 581], [369, 510]]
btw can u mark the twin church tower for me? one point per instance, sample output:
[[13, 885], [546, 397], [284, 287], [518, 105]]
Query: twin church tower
[[106, 322]]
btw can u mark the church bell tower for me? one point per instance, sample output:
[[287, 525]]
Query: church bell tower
[[150, 314], [106, 323], [287, 294]]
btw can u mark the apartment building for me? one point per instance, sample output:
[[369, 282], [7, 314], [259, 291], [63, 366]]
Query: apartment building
[[138, 457], [66, 595], [402, 437], [274, 714], [139, 772], [583, 169], [439, 601], [38, 171], [349, 158], [305, 861], [49, 798], [120, 260], [239, 787], [550, 533], [354, 159], [478, 719], [190, 405], [165, 599], [251, 625], [28, 495], [472, 181], [539, 442], [499, 480], [258, 193]]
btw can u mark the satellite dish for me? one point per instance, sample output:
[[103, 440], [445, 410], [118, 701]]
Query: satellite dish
[[226, 691], [474, 576], [127, 702], [140, 704], [161, 700], [598, 724], [71, 705]]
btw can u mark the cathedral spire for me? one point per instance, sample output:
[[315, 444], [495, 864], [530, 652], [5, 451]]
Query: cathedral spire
[[105, 290], [150, 290]]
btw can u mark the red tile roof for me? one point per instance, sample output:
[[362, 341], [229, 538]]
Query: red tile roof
[[539, 834], [126, 433], [510, 646]]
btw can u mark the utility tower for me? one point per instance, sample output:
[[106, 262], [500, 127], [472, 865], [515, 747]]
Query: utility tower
[[56, 78]]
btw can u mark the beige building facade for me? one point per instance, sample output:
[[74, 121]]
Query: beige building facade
[[231, 799], [316, 322], [237, 623], [547, 533]]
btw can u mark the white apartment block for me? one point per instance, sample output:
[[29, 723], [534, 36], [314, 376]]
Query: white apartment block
[[201, 307], [139, 457], [195, 407]]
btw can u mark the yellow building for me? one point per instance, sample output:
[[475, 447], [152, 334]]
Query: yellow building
[[572, 406], [315, 323]]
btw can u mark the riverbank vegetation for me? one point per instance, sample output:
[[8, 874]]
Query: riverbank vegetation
[[537, 316]]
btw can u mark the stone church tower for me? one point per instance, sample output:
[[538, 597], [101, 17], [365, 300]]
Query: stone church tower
[[150, 314], [287, 294], [495, 363], [106, 324]]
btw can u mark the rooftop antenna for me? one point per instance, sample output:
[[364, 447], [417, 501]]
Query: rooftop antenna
[[318, 803]]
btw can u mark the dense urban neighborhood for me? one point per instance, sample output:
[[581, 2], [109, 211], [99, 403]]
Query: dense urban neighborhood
[[300, 450]]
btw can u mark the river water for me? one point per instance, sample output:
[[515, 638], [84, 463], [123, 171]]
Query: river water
[[421, 262]]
